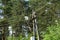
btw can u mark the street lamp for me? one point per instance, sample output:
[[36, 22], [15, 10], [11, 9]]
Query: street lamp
[[26, 17], [26, 6], [25, 26], [10, 27]]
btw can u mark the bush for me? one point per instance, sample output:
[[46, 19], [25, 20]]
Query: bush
[[20, 37], [52, 33]]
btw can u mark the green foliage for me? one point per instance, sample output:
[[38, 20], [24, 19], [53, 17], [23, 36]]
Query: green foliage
[[52, 33], [20, 37], [24, 38], [14, 12], [45, 18]]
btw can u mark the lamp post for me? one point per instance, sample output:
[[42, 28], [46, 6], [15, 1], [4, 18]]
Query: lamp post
[[35, 29], [26, 6], [25, 26]]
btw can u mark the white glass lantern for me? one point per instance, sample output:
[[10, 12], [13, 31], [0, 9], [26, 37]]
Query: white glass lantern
[[26, 17], [10, 27]]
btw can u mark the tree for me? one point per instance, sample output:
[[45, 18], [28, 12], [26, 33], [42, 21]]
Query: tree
[[46, 11]]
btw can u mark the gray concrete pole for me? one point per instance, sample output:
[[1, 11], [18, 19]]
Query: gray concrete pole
[[33, 24], [35, 27]]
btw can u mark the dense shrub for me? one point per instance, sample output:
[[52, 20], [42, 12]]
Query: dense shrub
[[52, 33]]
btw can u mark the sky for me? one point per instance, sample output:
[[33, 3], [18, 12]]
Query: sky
[[1, 11], [26, 0]]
